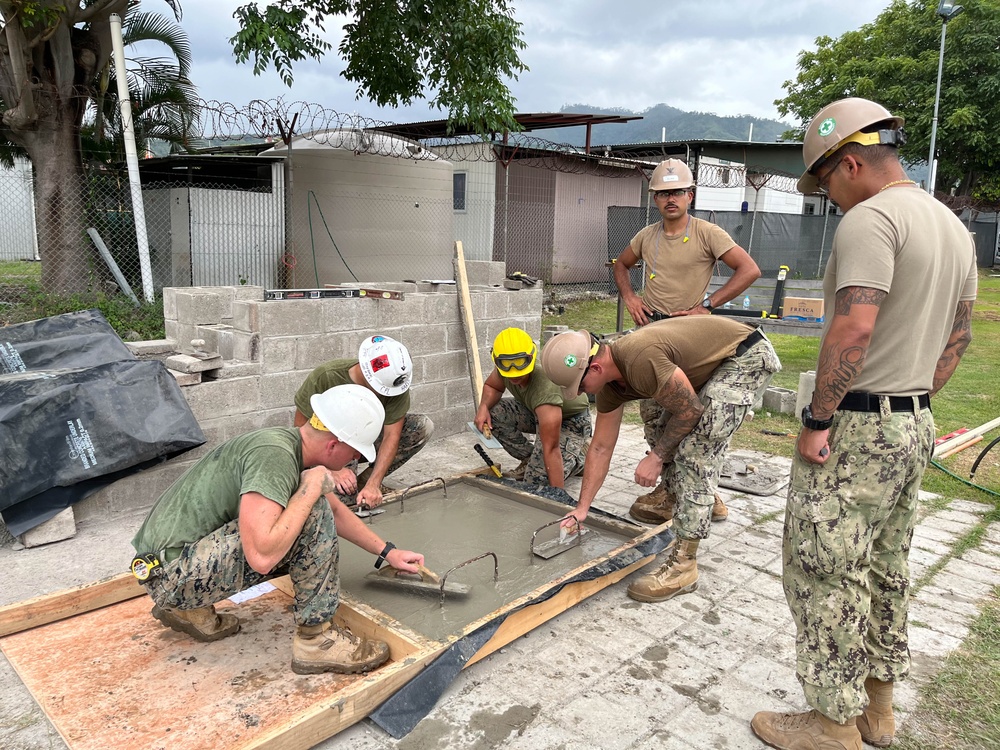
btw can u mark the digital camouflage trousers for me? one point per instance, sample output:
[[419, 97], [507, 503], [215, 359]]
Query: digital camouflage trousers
[[693, 476], [214, 568], [417, 431], [511, 419], [848, 526]]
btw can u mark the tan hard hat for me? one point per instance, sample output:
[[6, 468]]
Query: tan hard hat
[[565, 358], [840, 123], [671, 174]]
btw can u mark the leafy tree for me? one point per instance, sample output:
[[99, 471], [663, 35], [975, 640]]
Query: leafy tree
[[894, 61], [463, 50], [52, 53]]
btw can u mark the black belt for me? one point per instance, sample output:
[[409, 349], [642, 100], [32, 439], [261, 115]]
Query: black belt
[[749, 341], [859, 401], [655, 316]]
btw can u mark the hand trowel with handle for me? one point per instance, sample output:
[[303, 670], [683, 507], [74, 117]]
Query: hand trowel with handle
[[485, 437]]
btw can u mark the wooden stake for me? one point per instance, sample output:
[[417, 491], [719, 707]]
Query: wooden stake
[[471, 342]]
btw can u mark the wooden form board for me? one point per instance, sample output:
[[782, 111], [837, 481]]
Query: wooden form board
[[114, 677], [469, 323]]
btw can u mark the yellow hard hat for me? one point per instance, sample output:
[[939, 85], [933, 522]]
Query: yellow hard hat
[[514, 353]]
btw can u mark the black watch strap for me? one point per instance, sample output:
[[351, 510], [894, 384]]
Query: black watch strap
[[389, 547], [814, 424], [707, 304]]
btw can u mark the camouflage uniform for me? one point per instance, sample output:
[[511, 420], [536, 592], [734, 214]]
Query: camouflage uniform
[[848, 526], [214, 568], [728, 395], [511, 419]]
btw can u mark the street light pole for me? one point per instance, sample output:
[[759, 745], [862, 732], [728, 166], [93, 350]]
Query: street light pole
[[947, 11]]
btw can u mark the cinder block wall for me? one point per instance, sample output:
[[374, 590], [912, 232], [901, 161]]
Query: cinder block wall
[[269, 347]]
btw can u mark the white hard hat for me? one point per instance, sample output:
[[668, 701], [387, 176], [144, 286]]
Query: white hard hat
[[352, 413], [386, 365]]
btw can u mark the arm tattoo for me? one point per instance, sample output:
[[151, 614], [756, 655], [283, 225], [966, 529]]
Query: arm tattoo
[[958, 342], [844, 366], [857, 295], [685, 410]]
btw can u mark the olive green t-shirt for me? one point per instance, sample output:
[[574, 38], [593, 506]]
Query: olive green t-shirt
[[207, 496], [648, 356], [910, 245], [337, 372], [681, 270], [540, 391]]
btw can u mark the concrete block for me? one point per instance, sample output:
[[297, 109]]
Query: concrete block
[[277, 354], [217, 338], [246, 316], [427, 398], [245, 346], [312, 351], [234, 368], [781, 400], [435, 367], [423, 339], [195, 306], [136, 492], [485, 272], [497, 305], [807, 384], [392, 314], [454, 337], [527, 303], [443, 307], [248, 292], [192, 363], [185, 378], [512, 284], [61, 526], [350, 314], [170, 302], [224, 398], [226, 295], [151, 348], [550, 331], [292, 317], [278, 389], [458, 392]]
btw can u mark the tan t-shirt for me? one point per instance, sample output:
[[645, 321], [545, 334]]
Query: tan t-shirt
[[541, 391], [908, 244], [647, 357], [681, 271]]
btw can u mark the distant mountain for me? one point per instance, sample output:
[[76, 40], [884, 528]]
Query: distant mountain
[[680, 125]]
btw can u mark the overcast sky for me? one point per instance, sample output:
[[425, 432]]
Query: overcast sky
[[727, 57]]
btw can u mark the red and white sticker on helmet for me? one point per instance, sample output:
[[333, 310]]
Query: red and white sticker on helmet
[[379, 363]]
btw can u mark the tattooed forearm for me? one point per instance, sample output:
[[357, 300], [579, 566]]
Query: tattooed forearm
[[685, 410], [958, 342], [857, 295], [840, 367]]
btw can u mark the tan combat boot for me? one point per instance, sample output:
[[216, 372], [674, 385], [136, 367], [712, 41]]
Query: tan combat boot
[[654, 507], [719, 510], [876, 723], [202, 624], [331, 648], [678, 575], [808, 731], [518, 471]]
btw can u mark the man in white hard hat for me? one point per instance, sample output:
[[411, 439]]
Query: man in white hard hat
[[901, 282], [680, 253], [254, 508], [383, 366], [706, 372]]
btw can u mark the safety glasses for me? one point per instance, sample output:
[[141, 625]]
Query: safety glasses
[[670, 193], [508, 362]]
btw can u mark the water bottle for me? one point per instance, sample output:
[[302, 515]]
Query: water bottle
[[746, 302], [728, 304]]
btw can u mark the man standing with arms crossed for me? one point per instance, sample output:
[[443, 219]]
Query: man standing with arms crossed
[[680, 253], [901, 282]]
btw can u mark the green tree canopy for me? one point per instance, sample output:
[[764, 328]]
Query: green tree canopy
[[464, 51], [894, 61]]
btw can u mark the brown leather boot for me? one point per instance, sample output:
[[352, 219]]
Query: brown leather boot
[[808, 731], [876, 723], [654, 507], [331, 648], [719, 510], [202, 624], [678, 575]]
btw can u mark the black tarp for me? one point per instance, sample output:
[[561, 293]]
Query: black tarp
[[77, 339]]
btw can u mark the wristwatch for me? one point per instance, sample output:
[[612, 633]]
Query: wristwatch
[[814, 424], [707, 304]]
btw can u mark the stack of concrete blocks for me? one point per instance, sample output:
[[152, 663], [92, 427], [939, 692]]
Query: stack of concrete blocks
[[269, 347]]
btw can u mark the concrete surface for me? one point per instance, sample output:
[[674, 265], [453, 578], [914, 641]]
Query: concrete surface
[[609, 673]]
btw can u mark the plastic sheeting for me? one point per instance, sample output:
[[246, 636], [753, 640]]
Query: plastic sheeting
[[78, 339]]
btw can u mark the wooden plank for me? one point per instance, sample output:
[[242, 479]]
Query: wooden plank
[[525, 620], [962, 446], [47, 608], [471, 342]]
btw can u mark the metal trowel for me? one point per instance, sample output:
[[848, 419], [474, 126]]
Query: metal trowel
[[426, 581], [567, 539], [485, 437]]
